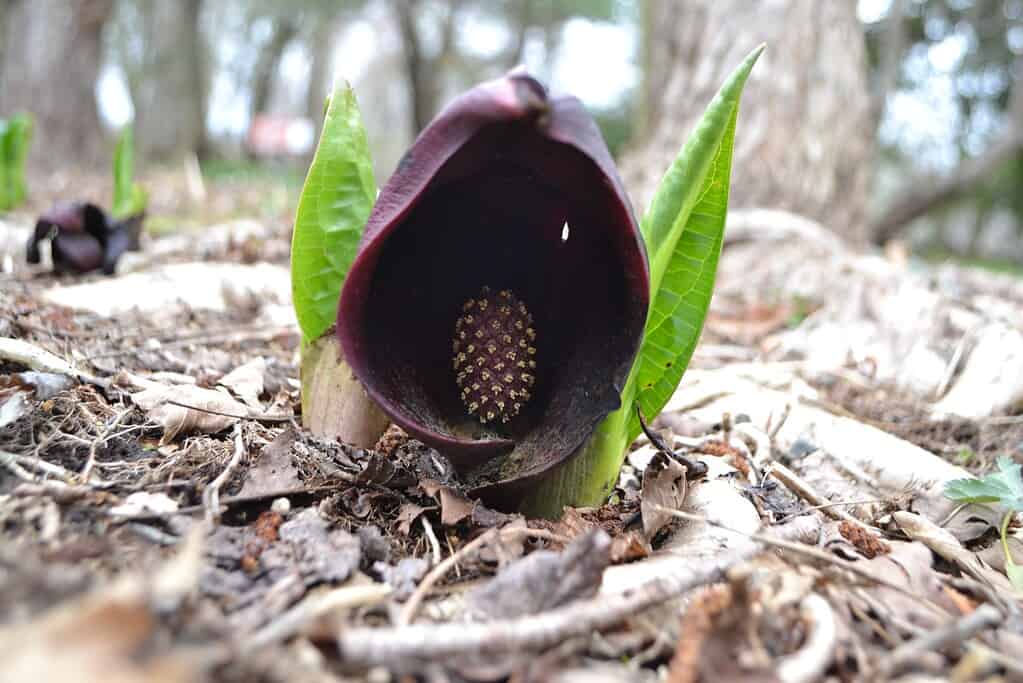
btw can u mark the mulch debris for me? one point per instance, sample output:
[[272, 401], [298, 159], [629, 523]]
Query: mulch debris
[[173, 521]]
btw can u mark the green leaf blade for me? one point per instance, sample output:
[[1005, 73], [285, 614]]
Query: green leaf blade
[[1003, 486], [682, 186], [336, 200], [684, 230], [129, 197], [5, 192], [19, 138], [1012, 474], [15, 139], [124, 169]]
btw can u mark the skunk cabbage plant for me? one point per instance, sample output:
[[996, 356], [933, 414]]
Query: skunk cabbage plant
[[502, 303], [83, 238]]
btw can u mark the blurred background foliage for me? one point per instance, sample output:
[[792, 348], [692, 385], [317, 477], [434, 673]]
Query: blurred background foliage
[[236, 88]]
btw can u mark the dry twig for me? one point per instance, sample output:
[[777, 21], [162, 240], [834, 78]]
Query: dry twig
[[408, 614], [434, 543], [255, 417], [101, 438], [958, 631], [802, 489], [10, 461], [368, 646], [810, 661], [313, 607], [810, 552], [211, 495]]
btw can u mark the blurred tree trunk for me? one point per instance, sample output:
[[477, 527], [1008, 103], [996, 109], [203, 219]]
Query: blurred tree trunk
[[283, 32], [169, 88], [3, 34], [52, 53], [321, 45], [927, 193], [805, 139], [892, 51], [423, 70]]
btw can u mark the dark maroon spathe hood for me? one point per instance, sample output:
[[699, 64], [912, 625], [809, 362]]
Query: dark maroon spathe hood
[[483, 198], [83, 238]]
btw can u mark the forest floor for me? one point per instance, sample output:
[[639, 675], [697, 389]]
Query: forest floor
[[165, 517]]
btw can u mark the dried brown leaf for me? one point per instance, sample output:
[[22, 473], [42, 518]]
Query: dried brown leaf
[[274, 469], [454, 506], [664, 489], [13, 407], [165, 404], [246, 382], [944, 544], [408, 513], [109, 635], [544, 580]]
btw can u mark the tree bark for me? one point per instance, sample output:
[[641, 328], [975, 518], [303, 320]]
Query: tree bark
[[892, 46], [422, 70], [804, 141], [321, 45], [169, 88], [421, 84], [284, 31], [927, 193], [52, 54]]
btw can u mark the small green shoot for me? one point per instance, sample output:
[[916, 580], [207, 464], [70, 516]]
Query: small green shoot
[[965, 455], [129, 197], [15, 137], [1004, 488], [336, 200]]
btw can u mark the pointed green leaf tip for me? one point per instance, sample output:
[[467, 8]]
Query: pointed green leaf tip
[[336, 201], [684, 229]]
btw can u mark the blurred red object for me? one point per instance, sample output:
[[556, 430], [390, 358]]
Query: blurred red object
[[273, 135]]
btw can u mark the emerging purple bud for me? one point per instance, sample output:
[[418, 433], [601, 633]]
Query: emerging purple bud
[[83, 239]]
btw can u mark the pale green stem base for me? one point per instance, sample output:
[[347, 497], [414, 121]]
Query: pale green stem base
[[587, 478], [334, 403]]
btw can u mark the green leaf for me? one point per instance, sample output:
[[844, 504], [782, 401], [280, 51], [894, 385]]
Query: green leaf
[[129, 197], [684, 229], [5, 192], [336, 199], [15, 138], [1004, 486]]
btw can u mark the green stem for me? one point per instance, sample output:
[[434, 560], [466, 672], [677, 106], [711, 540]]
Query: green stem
[[1005, 536], [588, 476]]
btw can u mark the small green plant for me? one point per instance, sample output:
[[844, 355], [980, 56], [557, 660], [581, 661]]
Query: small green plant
[[15, 137], [965, 455], [332, 212], [471, 203], [129, 197], [1003, 488]]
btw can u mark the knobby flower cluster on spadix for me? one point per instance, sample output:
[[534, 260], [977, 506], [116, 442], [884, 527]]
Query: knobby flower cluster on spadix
[[500, 290]]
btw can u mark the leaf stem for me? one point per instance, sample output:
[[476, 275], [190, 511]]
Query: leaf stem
[[1004, 532]]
